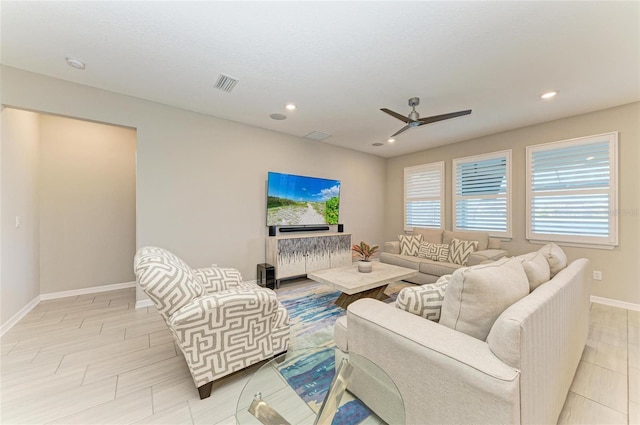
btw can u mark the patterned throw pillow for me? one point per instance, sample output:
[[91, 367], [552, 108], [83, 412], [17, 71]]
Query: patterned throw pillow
[[460, 250], [434, 251], [424, 301], [410, 244]]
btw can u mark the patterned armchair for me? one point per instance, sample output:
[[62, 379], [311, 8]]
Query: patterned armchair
[[220, 323]]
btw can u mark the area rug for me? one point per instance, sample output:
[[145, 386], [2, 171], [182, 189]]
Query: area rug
[[313, 313]]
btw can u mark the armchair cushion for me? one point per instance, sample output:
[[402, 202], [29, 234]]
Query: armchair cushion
[[536, 267], [215, 279]]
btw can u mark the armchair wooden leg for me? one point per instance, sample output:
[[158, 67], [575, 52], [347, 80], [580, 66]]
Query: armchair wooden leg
[[205, 390]]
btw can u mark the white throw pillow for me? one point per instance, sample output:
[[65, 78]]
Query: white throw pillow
[[556, 257], [536, 267], [477, 295], [410, 244], [434, 251], [460, 250]]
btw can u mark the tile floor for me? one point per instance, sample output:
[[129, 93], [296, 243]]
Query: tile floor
[[95, 359]]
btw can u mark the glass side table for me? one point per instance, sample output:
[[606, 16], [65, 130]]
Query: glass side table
[[320, 386]]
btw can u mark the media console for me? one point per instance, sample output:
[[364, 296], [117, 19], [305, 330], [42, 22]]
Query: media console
[[298, 254]]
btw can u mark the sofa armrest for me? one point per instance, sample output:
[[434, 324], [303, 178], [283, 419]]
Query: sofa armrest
[[215, 279], [392, 247], [479, 257], [444, 376]]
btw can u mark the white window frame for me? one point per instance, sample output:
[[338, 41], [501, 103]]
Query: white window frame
[[456, 197], [608, 242], [437, 167]]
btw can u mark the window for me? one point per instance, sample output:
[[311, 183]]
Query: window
[[482, 193], [571, 191], [423, 196]]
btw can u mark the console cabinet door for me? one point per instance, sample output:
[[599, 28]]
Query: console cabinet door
[[291, 258], [341, 251], [297, 256]]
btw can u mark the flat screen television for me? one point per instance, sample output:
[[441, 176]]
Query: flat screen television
[[300, 201]]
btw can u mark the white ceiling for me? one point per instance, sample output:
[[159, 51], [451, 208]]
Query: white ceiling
[[340, 62]]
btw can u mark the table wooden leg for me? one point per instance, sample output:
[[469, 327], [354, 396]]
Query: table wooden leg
[[345, 299]]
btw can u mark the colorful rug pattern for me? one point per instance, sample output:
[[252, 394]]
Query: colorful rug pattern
[[313, 313]]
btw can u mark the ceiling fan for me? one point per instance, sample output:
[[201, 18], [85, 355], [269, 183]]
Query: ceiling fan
[[414, 120]]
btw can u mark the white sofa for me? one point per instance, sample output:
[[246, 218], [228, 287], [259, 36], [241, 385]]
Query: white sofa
[[429, 270], [519, 374]]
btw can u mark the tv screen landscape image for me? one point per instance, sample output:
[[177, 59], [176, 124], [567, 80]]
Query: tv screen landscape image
[[298, 200]]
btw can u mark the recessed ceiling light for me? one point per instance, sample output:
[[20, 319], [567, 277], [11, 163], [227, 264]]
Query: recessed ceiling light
[[290, 106], [391, 140], [278, 117], [548, 95], [75, 63], [377, 144]]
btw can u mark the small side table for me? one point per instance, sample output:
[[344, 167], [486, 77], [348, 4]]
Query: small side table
[[267, 275]]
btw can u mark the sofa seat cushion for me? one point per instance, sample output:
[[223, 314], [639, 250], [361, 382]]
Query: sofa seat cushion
[[408, 261], [481, 237], [477, 295], [436, 268], [340, 333]]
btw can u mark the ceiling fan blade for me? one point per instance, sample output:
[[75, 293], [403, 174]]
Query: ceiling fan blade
[[395, 114], [406, 127], [435, 118]]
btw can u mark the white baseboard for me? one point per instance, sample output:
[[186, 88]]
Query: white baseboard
[[615, 303], [144, 303], [19, 315], [84, 291], [63, 294]]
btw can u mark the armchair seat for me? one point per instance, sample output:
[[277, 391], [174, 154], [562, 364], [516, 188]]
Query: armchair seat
[[220, 323]]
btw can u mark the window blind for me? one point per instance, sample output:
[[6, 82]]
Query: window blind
[[481, 193], [572, 190], [423, 190]]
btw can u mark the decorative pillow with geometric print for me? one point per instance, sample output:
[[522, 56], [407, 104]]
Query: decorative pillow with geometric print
[[460, 250], [434, 251], [410, 244], [424, 301]]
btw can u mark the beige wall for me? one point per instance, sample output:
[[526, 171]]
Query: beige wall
[[19, 274], [201, 180], [87, 204], [620, 279]]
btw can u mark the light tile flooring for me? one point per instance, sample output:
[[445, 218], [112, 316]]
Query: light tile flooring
[[95, 359]]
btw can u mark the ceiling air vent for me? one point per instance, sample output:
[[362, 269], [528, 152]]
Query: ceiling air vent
[[317, 135], [225, 83]]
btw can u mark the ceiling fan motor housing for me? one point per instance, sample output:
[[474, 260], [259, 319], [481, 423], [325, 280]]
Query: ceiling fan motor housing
[[414, 101]]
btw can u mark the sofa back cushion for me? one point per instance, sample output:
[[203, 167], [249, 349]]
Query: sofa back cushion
[[166, 279], [477, 295], [556, 257], [429, 235], [481, 237], [536, 267]]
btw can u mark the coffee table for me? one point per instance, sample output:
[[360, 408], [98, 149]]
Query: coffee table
[[320, 385], [355, 285]]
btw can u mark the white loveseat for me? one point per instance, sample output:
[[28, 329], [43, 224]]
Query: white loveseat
[[488, 249], [520, 373]]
